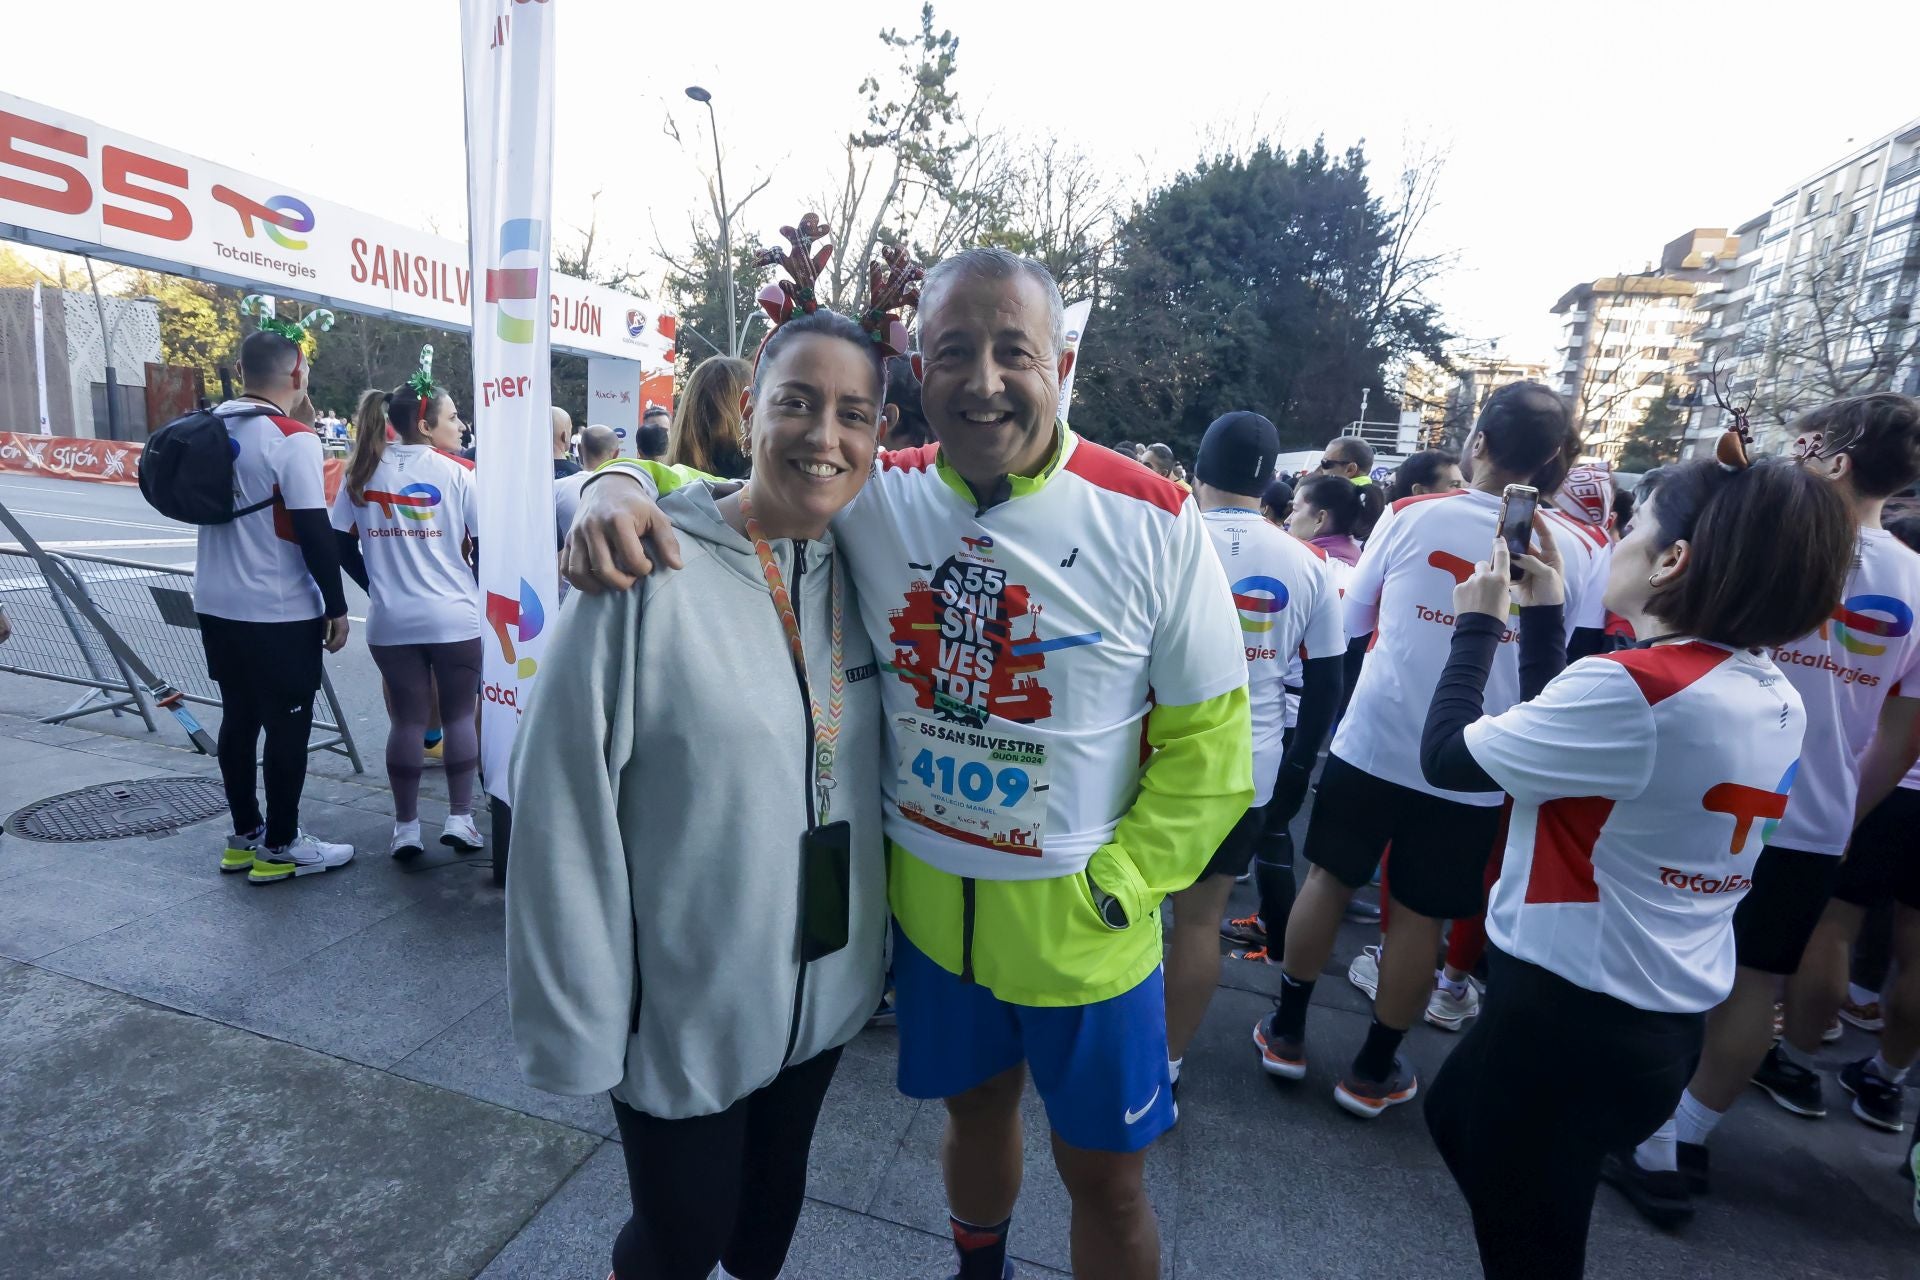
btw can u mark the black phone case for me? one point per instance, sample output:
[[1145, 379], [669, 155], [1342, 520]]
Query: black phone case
[[826, 898]]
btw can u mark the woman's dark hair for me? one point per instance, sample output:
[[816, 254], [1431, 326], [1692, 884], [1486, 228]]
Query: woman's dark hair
[[903, 393], [1623, 500], [379, 410], [1422, 468], [1770, 550], [1278, 499], [1885, 432], [1350, 508], [1907, 529], [829, 324], [1527, 426]]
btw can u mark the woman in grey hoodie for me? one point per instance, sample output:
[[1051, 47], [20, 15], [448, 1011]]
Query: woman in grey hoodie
[[696, 904]]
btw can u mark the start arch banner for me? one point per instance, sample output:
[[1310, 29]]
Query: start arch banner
[[67, 183]]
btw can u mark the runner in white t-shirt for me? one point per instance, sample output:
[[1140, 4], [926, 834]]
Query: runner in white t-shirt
[[1643, 786], [1288, 608], [1372, 792], [405, 516], [266, 587], [1859, 742]]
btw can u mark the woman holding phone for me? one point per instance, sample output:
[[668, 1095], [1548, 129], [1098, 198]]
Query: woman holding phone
[[707, 748], [1644, 784]]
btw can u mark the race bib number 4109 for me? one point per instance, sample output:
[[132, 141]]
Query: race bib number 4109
[[972, 785]]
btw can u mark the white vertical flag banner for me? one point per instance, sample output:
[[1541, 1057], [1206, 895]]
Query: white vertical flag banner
[[507, 48], [1077, 316]]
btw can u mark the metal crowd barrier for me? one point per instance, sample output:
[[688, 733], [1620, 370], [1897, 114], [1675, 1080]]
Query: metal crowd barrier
[[150, 607]]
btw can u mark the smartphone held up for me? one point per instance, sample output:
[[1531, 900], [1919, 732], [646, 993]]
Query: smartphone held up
[[1517, 506]]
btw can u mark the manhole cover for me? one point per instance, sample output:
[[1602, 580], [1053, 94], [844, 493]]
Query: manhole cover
[[139, 806]]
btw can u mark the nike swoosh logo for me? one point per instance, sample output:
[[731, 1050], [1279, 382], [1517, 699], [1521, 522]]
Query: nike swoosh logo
[[1133, 1117]]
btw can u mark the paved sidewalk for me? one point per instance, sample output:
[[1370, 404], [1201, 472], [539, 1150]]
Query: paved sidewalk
[[209, 1079]]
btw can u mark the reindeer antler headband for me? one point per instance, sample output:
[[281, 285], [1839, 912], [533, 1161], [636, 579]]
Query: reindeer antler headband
[[1734, 451], [893, 283], [261, 308]]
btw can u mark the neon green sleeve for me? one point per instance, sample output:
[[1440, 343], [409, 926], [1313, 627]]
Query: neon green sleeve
[[663, 478], [1197, 784]]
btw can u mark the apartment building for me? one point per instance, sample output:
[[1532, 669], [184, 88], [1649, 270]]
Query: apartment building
[[1820, 302], [1476, 378]]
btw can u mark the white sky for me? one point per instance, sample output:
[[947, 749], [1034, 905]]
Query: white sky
[[1582, 137]]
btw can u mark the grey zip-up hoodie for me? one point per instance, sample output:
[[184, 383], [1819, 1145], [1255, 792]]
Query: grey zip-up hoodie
[[662, 778]]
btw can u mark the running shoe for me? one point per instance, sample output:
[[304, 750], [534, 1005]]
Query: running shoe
[[1279, 1057], [1660, 1195], [1245, 930], [1866, 1016], [1832, 1033], [1450, 1012], [1696, 1168], [1259, 955], [1791, 1085], [884, 1016], [306, 856], [1364, 972], [460, 833], [1368, 1098], [406, 840], [1006, 1273], [240, 851], [434, 754], [1876, 1102]]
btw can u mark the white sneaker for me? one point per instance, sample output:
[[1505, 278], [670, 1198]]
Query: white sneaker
[[306, 856], [1364, 972], [461, 834], [406, 840], [1450, 1012]]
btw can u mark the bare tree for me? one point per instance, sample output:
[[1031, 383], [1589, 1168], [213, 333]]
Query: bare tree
[[1831, 339], [1408, 263], [696, 277], [579, 261], [1062, 209]]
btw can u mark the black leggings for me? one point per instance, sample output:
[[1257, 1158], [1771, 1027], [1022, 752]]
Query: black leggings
[[268, 673], [1273, 871], [1550, 1079], [720, 1188]]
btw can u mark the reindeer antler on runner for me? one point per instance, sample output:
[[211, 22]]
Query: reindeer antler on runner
[[803, 266], [1734, 450], [893, 283]]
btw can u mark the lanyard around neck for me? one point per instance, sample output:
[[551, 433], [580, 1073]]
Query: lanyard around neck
[[826, 728]]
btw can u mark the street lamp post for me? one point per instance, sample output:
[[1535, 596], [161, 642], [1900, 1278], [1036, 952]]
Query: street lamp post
[[726, 242]]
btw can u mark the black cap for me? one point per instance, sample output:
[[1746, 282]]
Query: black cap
[[1238, 453]]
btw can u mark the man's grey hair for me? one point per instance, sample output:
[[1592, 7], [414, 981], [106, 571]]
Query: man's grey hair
[[1000, 264], [597, 444]]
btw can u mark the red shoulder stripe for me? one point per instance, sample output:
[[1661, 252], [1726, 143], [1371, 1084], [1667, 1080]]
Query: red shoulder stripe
[[1319, 551], [1426, 497], [1665, 670], [1581, 527], [288, 427], [1105, 469], [448, 454], [909, 459]]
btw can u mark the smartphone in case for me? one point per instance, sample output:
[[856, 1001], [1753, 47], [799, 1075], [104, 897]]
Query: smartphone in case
[[826, 899], [1517, 505]]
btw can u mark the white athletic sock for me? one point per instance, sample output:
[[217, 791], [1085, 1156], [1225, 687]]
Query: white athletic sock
[[1694, 1120], [1860, 995], [1656, 1154], [1880, 1068], [1173, 1069], [1452, 988]]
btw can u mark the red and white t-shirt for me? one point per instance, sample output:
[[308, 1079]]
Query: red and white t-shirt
[[1402, 591], [1846, 671], [251, 569], [1586, 557], [1644, 785], [416, 511], [1289, 609], [1338, 573]]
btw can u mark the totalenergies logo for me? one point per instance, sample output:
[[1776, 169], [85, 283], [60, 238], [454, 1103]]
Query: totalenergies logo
[[516, 620], [1259, 598], [1747, 805], [517, 280], [1854, 621], [415, 502], [278, 214]]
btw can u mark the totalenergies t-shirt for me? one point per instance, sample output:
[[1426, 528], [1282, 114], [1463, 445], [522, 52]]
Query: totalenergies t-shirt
[[414, 514]]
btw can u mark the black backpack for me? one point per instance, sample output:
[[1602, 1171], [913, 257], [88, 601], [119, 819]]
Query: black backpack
[[186, 468]]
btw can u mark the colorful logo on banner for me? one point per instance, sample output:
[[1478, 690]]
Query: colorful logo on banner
[[1259, 598], [516, 621], [516, 280], [415, 502], [1853, 623], [278, 214]]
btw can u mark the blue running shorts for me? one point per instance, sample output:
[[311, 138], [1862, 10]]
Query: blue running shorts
[[1101, 1069]]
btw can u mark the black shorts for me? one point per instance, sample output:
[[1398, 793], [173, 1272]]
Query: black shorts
[[1773, 922], [1884, 859], [1236, 851], [1440, 846], [267, 659]]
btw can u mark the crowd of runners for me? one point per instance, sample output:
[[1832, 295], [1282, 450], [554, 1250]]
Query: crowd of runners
[[938, 729]]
